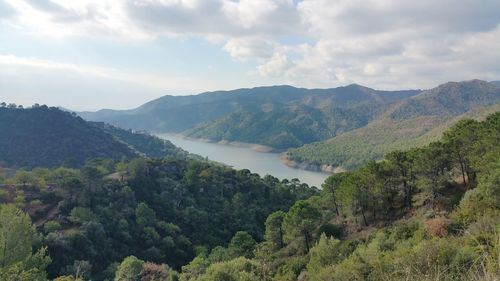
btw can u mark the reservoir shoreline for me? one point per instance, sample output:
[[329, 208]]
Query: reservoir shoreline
[[257, 158]]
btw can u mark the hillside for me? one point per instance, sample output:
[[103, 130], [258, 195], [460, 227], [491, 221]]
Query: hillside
[[47, 137], [278, 116], [144, 144], [429, 213], [408, 123], [164, 210]]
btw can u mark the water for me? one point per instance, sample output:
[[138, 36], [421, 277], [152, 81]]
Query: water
[[262, 163]]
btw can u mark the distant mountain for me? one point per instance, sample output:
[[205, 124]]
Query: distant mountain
[[48, 137], [407, 123], [277, 116]]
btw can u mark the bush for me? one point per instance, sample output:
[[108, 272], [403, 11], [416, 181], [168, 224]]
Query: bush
[[51, 226], [438, 227]]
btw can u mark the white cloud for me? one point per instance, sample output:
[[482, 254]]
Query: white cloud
[[275, 66], [380, 43]]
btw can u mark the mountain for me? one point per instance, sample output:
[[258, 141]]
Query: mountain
[[277, 116], [46, 137], [407, 123]]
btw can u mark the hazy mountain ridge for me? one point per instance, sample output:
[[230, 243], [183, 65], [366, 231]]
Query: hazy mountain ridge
[[304, 115]]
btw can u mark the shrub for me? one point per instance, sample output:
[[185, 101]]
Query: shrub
[[438, 227], [51, 226]]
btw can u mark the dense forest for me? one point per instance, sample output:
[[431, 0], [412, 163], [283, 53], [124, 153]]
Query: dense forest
[[164, 211], [428, 213], [49, 137]]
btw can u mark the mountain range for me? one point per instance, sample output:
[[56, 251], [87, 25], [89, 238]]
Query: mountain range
[[344, 126]]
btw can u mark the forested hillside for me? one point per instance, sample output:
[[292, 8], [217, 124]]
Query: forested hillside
[[48, 137], [345, 126], [278, 116], [408, 123], [429, 213], [162, 211]]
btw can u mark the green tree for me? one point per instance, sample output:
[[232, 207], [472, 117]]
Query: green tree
[[144, 215], [129, 269], [274, 229], [401, 163], [301, 221], [323, 254], [242, 244], [17, 235], [461, 139]]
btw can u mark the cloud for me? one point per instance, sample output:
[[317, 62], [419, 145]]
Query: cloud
[[250, 48], [275, 66], [22, 79], [314, 43]]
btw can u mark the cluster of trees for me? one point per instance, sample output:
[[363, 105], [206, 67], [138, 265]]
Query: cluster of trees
[[162, 211], [429, 213]]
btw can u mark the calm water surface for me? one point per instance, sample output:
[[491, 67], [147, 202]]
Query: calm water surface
[[261, 163]]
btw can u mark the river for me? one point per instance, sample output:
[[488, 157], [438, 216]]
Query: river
[[262, 163]]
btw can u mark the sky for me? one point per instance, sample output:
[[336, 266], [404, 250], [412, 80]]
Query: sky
[[92, 54]]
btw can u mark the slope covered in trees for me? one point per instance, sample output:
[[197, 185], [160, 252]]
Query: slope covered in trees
[[161, 211], [408, 123], [278, 116], [430, 213], [47, 137]]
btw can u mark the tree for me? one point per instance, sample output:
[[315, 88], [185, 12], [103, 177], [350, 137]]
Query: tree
[[24, 178], [354, 196], [301, 220], [433, 168], [129, 269], [401, 163], [274, 229], [17, 235], [242, 244], [331, 184], [323, 254], [144, 215], [461, 139]]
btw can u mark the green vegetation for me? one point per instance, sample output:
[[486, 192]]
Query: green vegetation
[[410, 123], [144, 144], [284, 126], [48, 137], [278, 116], [430, 213], [162, 211], [345, 126]]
